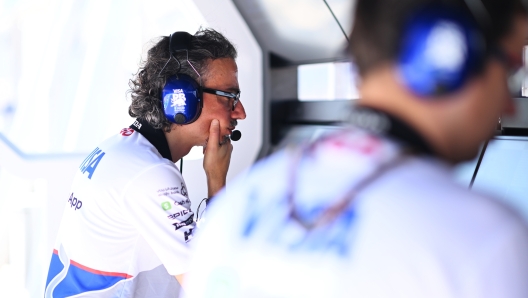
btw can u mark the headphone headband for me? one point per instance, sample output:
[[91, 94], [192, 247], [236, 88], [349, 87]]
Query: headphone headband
[[179, 41], [181, 97]]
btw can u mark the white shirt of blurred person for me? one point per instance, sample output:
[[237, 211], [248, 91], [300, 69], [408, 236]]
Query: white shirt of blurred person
[[285, 228], [128, 219]]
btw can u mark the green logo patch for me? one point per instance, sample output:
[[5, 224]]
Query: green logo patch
[[166, 206]]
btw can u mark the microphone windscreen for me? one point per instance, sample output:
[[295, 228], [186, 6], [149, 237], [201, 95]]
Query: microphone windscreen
[[236, 135]]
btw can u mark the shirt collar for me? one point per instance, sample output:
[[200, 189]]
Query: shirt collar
[[155, 136], [382, 123]]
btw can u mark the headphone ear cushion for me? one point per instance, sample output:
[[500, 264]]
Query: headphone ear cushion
[[441, 49], [182, 99]]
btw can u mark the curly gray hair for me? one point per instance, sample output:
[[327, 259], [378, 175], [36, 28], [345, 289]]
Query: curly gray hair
[[148, 82]]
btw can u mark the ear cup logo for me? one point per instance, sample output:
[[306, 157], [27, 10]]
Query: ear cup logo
[[441, 49], [452, 57], [178, 98], [181, 99]]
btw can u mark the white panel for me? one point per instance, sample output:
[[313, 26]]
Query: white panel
[[44, 211], [300, 30], [327, 81]]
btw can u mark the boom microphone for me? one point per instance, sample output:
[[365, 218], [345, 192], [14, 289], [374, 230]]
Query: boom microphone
[[236, 135]]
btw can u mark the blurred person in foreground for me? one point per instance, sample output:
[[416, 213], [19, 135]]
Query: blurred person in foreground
[[128, 220], [372, 211]]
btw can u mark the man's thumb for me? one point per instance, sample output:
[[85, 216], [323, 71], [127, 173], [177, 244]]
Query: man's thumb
[[214, 133]]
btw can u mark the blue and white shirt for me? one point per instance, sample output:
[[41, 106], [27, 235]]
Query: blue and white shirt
[[126, 224], [408, 232]]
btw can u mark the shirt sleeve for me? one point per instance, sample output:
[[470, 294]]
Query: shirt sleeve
[[158, 205]]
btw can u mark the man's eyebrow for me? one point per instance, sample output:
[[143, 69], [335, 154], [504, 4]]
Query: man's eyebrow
[[233, 89]]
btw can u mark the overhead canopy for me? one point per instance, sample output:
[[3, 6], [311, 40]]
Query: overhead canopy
[[299, 31]]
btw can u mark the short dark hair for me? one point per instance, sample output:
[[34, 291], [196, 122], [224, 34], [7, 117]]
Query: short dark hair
[[378, 25], [147, 84]]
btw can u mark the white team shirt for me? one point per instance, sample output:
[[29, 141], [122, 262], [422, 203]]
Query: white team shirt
[[126, 224], [410, 232]]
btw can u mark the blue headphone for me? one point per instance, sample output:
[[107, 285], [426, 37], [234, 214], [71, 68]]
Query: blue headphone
[[441, 49], [182, 95]]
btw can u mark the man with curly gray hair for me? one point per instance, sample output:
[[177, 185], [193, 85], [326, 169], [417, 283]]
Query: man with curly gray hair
[[128, 218]]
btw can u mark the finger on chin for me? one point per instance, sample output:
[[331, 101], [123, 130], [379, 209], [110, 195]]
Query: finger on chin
[[214, 133]]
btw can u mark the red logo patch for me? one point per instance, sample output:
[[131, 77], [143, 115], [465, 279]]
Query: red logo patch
[[366, 145], [127, 132]]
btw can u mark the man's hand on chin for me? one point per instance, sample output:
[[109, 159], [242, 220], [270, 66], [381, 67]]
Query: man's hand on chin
[[217, 157]]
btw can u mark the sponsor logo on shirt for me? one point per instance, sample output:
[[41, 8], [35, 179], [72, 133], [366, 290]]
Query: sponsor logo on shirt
[[182, 202], [74, 202], [91, 162], [184, 223], [166, 206], [127, 132], [364, 145], [178, 214], [334, 238], [184, 190], [167, 191]]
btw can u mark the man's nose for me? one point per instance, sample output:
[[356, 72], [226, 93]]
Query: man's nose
[[239, 112]]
